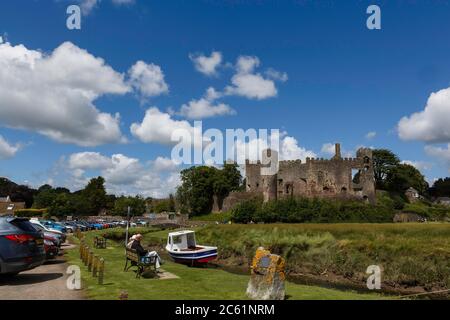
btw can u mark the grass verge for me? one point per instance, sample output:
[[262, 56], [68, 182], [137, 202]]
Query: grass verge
[[193, 283]]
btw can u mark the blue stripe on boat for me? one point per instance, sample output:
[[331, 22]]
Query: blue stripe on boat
[[194, 255]]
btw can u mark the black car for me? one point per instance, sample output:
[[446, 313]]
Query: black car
[[21, 245]]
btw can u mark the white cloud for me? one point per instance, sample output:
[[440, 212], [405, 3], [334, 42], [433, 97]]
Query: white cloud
[[249, 84], [7, 150], [440, 153], [158, 127], [89, 161], [328, 148], [207, 65], [431, 124], [1, 39], [247, 64], [88, 5], [370, 135], [148, 79], [126, 175], [277, 75], [205, 107], [161, 164], [288, 149], [419, 165], [54, 94]]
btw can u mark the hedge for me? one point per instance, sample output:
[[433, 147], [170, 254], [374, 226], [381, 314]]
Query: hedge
[[29, 213], [297, 210]]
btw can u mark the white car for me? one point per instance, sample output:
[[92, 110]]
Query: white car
[[54, 231]]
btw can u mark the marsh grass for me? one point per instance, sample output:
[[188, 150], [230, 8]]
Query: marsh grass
[[409, 254]]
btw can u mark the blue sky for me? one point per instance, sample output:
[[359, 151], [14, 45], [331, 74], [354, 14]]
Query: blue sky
[[336, 81]]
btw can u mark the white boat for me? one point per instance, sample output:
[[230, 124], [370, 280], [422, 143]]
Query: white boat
[[183, 248]]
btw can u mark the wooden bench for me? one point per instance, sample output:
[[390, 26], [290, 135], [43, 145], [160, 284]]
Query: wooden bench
[[136, 261], [99, 243]]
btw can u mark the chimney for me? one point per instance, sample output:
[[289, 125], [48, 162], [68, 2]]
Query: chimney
[[338, 151]]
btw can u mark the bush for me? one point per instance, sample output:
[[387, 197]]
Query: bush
[[30, 213], [119, 234], [245, 211], [297, 210]]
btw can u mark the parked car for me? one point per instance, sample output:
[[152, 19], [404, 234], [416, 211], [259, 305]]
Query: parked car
[[21, 245], [70, 227], [43, 228], [54, 225], [142, 223], [50, 247]]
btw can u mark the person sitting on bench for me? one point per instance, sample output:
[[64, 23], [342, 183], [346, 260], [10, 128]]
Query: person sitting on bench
[[135, 244]]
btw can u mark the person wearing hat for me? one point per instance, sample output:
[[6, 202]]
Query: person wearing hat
[[136, 245]]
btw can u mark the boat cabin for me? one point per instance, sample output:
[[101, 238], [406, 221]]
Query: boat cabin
[[182, 241]]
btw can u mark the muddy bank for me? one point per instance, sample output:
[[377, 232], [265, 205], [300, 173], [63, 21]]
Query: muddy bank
[[334, 281]]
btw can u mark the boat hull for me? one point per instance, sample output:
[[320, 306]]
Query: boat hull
[[194, 257]]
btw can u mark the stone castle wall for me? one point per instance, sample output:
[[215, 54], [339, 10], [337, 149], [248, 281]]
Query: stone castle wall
[[345, 178]]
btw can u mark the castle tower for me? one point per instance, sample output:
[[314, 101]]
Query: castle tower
[[337, 154], [367, 175], [269, 170]]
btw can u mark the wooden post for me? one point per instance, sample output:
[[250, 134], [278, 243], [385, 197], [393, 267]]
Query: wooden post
[[90, 260], [86, 252], [95, 266], [101, 271], [81, 249]]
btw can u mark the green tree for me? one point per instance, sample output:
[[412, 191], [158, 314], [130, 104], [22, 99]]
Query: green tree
[[226, 180], [95, 195], [200, 184], [44, 198], [171, 204], [441, 188], [384, 161], [62, 205], [196, 190], [404, 176], [137, 205]]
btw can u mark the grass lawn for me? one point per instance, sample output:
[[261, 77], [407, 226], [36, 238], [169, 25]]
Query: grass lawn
[[193, 283]]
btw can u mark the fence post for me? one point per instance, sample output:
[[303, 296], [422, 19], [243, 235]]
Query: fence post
[[82, 252], [86, 252], [95, 266], [101, 270], [90, 258]]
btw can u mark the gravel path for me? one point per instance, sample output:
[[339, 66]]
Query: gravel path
[[46, 282]]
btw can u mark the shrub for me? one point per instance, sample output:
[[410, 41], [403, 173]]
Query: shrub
[[119, 234], [297, 210], [29, 213], [245, 211]]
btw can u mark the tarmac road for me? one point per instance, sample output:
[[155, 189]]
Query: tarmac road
[[46, 282]]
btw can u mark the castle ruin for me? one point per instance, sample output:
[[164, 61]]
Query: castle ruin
[[343, 178]]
